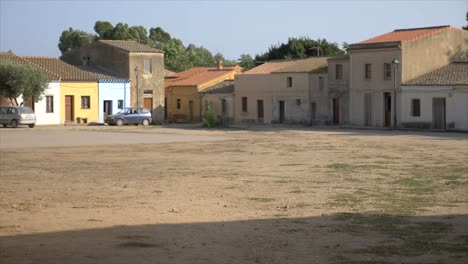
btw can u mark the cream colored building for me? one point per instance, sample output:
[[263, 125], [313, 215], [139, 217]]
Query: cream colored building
[[418, 51], [286, 91], [437, 100], [338, 89]]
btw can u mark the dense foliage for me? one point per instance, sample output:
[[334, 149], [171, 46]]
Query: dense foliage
[[21, 79], [179, 57], [210, 119]]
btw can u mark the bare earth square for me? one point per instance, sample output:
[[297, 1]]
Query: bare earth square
[[266, 195]]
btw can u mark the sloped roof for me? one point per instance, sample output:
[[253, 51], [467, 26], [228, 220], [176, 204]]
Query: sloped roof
[[309, 65], [130, 46], [200, 75], [409, 34], [456, 73], [270, 66], [169, 74], [340, 57], [226, 86], [51, 76]]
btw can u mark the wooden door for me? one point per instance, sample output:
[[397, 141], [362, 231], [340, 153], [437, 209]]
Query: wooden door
[[336, 111], [438, 113], [69, 108], [148, 103]]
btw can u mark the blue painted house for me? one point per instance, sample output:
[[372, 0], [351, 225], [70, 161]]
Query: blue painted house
[[114, 94]]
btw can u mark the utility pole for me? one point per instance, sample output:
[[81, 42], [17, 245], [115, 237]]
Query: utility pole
[[395, 63]]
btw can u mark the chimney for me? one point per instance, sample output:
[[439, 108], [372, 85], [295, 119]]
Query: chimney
[[220, 64]]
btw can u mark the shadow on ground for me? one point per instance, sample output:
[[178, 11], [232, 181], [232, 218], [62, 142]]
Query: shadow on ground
[[340, 238]]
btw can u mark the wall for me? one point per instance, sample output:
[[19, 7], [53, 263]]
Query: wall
[[78, 89], [300, 89], [339, 88], [185, 94], [153, 81], [430, 53], [254, 87], [216, 103], [113, 91], [43, 118], [456, 102]]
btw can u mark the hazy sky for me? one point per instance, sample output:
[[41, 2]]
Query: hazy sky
[[33, 28]]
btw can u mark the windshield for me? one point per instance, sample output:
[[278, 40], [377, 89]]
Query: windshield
[[125, 111], [26, 110]]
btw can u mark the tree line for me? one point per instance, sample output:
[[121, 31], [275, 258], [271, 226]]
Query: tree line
[[179, 57]]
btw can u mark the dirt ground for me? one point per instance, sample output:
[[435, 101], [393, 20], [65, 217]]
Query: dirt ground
[[261, 195]]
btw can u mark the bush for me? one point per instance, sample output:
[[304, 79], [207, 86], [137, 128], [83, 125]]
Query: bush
[[210, 119]]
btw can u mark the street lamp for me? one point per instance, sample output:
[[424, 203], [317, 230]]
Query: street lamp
[[395, 63], [137, 89]]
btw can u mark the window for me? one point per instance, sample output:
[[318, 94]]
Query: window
[[49, 104], [244, 104], [178, 103], [289, 82], [387, 71], [416, 107], [85, 102], [148, 66], [321, 83], [298, 101], [148, 92], [368, 71], [339, 71], [120, 104]]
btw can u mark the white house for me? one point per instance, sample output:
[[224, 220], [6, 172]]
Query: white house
[[437, 100]]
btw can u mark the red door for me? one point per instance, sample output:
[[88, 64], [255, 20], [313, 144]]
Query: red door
[[336, 111]]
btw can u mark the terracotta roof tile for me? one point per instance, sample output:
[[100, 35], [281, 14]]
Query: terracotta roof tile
[[269, 67], [130, 46], [223, 87], [310, 65], [199, 75], [51, 76], [169, 74], [402, 35], [456, 73]]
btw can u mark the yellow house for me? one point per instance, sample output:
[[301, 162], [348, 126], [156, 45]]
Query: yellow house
[[79, 90], [182, 97]]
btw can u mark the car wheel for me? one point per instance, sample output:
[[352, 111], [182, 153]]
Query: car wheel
[[145, 122], [120, 122], [5, 125], [31, 125], [14, 124]]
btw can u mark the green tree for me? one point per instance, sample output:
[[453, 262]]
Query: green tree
[[298, 48], [104, 29], [72, 38], [158, 35], [139, 34], [246, 61], [200, 56], [21, 79], [121, 32], [210, 119]]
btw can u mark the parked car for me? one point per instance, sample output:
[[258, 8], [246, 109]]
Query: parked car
[[131, 115], [17, 115]]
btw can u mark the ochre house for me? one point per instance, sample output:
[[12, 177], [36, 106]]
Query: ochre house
[[182, 97]]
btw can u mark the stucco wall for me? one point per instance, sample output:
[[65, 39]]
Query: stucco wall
[[254, 87], [427, 54], [113, 92], [339, 88], [185, 94], [43, 118], [216, 103], [456, 105], [78, 89]]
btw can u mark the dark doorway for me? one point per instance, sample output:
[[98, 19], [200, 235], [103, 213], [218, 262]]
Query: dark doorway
[[107, 108], [69, 115], [190, 104], [388, 109], [367, 109], [313, 113], [438, 113], [165, 108], [336, 111], [260, 111], [281, 111]]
